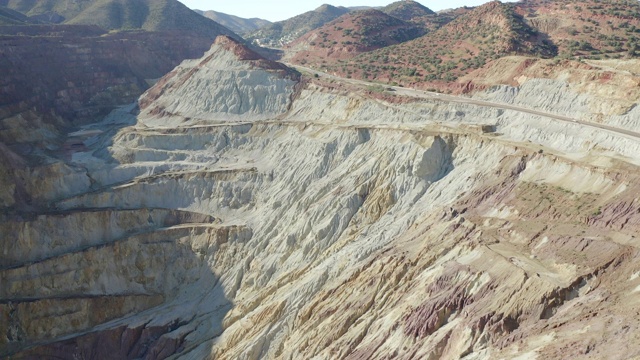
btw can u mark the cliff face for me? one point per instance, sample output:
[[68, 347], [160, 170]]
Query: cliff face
[[320, 222], [58, 76]]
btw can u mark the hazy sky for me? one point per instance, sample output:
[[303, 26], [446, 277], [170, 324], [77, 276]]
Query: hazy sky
[[284, 9]]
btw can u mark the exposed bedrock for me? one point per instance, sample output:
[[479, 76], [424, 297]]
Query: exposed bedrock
[[319, 223]]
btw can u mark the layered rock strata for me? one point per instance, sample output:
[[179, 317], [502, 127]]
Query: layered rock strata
[[246, 214]]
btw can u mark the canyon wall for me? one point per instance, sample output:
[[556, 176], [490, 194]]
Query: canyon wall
[[248, 212]]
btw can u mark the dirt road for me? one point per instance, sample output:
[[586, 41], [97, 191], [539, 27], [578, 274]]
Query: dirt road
[[465, 100]]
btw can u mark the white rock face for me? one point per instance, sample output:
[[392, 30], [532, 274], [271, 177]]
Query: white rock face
[[222, 87], [548, 95], [230, 225]]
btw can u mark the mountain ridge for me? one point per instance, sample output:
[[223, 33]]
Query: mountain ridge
[[234, 23], [226, 61], [149, 15], [351, 34], [462, 40], [407, 10], [441, 56], [12, 17], [283, 32]]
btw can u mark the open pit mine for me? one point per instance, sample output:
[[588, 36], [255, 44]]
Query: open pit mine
[[243, 209]]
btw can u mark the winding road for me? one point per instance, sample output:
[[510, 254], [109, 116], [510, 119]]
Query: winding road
[[420, 94]]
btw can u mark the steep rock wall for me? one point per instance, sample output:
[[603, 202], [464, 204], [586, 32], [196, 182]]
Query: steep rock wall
[[339, 226]]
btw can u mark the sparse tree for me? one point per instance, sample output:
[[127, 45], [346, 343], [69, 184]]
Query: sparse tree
[[633, 49]]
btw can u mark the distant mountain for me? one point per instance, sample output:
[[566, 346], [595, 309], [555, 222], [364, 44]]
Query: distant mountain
[[460, 41], [350, 35], [58, 10], [151, 15], [234, 23], [407, 10], [466, 43], [283, 32], [358, 8], [56, 76], [64, 73], [432, 22], [12, 17]]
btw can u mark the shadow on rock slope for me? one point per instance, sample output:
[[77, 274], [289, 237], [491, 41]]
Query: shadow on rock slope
[[84, 283]]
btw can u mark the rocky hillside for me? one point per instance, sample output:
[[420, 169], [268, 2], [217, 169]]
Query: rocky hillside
[[84, 75], [234, 23], [88, 71], [434, 22], [350, 35], [12, 17], [460, 41], [487, 32], [258, 85], [407, 10], [588, 29], [246, 213], [284, 32], [613, 81], [281, 33], [150, 15]]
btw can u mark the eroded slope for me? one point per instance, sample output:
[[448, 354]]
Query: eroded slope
[[332, 225]]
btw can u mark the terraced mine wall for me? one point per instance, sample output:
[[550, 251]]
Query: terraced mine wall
[[321, 222]]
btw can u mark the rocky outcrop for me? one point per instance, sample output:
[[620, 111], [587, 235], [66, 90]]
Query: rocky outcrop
[[56, 76], [321, 223], [230, 83]]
